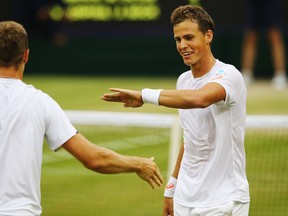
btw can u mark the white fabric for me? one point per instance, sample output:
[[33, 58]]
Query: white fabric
[[230, 208], [170, 187], [26, 116], [213, 166], [151, 95]]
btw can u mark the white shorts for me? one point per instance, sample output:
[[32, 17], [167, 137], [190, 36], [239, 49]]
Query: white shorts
[[228, 209]]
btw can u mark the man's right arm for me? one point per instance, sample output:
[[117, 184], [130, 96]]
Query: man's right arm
[[181, 99], [168, 208], [103, 160]]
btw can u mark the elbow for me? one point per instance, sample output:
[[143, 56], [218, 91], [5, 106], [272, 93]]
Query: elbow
[[92, 165], [199, 102], [203, 101], [203, 104], [95, 164]]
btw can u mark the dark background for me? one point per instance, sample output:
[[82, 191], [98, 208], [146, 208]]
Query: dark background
[[144, 48]]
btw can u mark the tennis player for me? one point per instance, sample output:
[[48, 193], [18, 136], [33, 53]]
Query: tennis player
[[209, 177], [26, 116]]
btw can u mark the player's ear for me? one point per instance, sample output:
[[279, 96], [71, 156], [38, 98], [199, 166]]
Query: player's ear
[[26, 56], [209, 37]]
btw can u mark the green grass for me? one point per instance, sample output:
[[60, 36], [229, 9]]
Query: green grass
[[263, 99], [69, 189]]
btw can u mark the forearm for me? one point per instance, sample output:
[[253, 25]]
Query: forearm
[[186, 99], [181, 99], [178, 162], [109, 162], [100, 159], [172, 182]]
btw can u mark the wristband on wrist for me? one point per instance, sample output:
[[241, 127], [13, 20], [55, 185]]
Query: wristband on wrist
[[151, 95], [170, 187]]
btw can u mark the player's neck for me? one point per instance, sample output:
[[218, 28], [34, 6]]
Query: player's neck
[[11, 73], [203, 67]]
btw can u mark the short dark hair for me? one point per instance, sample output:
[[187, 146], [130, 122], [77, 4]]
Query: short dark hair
[[13, 43], [194, 13]]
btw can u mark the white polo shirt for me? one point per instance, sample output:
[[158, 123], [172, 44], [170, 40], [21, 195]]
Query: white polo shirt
[[213, 166], [26, 116]]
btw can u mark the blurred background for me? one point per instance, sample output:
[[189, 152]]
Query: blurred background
[[126, 37]]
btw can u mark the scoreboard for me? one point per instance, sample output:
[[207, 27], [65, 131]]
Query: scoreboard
[[109, 10], [114, 10], [145, 16], [100, 17]]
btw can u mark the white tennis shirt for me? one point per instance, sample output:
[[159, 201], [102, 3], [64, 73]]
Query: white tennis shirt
[[213, 167], [26, 116]]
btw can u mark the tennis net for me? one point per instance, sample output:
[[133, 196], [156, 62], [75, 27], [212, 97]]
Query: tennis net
[[158, 135]]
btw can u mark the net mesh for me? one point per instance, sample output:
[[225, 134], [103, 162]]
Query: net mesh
[[267, 170]]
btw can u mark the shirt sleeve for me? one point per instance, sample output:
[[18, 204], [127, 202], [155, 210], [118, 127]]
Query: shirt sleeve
[[232, 81], [59, 129]]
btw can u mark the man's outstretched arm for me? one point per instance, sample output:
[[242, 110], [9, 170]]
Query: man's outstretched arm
[[103, 160]]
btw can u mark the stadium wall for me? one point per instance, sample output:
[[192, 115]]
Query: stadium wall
[[137, 57]]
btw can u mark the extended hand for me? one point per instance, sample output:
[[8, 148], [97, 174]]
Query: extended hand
[[130, 98], [150, 172]]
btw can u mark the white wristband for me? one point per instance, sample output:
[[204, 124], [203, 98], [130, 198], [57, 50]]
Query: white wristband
[[170, 187], [151, 95]]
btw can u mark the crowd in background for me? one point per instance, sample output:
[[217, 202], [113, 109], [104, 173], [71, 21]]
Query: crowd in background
[[264, 17]]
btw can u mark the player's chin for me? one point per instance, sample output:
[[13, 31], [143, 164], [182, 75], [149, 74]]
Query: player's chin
[[187, 62]]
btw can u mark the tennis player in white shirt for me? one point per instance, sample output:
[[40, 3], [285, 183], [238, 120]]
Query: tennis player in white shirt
[[210, 174], [27, 115]]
